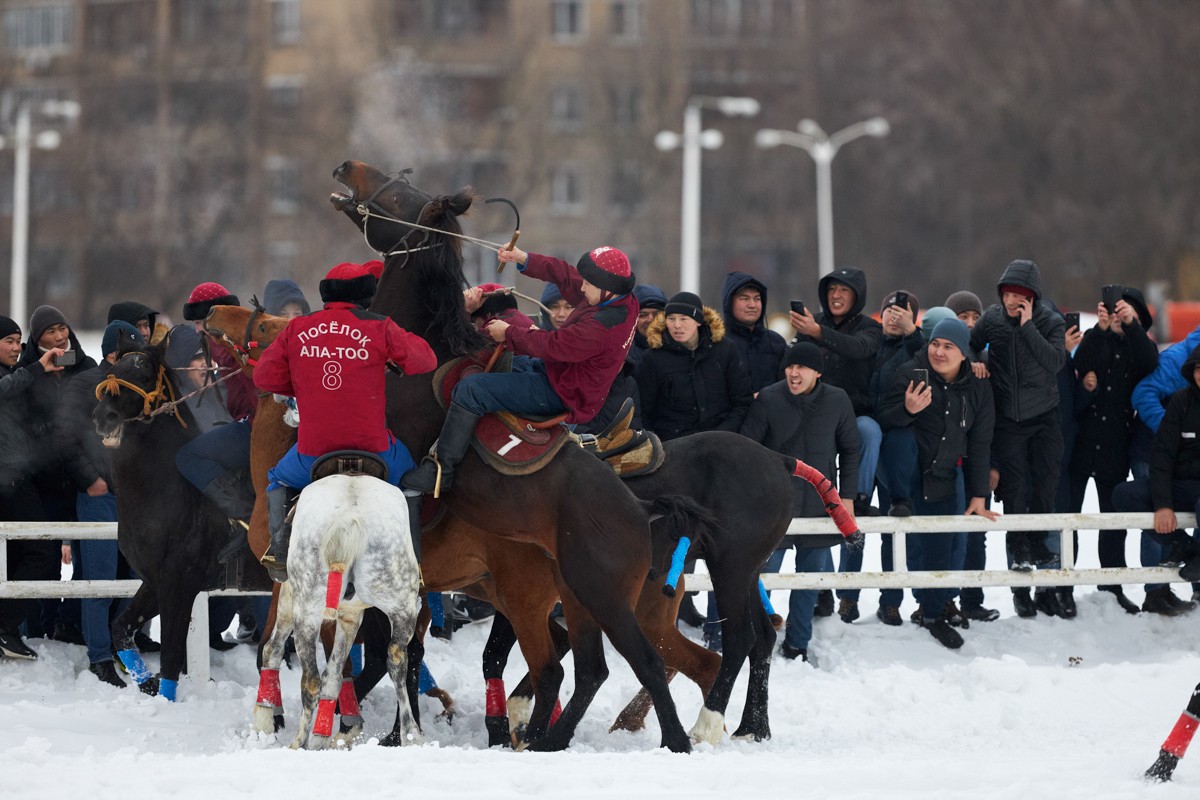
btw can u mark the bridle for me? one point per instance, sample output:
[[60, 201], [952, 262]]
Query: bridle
[[154, 402], [243, 351]]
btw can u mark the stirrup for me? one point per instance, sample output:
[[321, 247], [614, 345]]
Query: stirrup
[[276, 571]]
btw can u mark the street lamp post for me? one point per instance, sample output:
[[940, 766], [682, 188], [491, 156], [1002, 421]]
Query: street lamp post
[[23, 140], [822, 148], [692, 139]]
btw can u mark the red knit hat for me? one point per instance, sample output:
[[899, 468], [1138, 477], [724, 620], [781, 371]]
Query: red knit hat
[[375, 268], [607, 268], [1024, 291], [204, 297], [349, 283]]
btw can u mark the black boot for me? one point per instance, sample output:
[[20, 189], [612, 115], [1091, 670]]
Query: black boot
[[414, 522], [279, 506], [1023, 604], [457, 432], [1019, 555], [233, 494]]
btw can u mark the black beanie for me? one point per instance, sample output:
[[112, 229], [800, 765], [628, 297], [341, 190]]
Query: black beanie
[[686, 303], [8, 327], [805, 354]]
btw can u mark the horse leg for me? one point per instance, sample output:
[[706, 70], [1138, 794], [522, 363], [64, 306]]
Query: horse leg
[[755, 721], [521, 700], [376, 631], [268, 706], [415, 651], [307, 617], [176, 612], [499, 645], [269, 623], [342, 634], [144, 606], [405, 730], [733, 601]]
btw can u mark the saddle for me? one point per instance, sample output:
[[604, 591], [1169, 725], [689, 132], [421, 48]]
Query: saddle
[[349, 462], [629, 452]]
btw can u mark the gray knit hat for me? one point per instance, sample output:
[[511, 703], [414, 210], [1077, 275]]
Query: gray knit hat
[[964, 301], [44, 318]]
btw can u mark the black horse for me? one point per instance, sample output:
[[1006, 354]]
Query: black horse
[[167, 530]]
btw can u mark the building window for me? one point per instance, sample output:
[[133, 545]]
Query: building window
[[715, 18], [627, 20], [42, 27], [284, 94], [569, 19], [120, 26], [627, 190], [285, 22], [205, 22], [283, 184], [566, 106], [626, 104], [566, 189]]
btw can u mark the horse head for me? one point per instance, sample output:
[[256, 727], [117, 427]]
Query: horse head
[[139, 385], [416, 234], [244, 332]]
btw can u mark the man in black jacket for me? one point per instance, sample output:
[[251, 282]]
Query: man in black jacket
[[1174, 484], [802, 417], [1026, 349], [952, 417], [743, 306]]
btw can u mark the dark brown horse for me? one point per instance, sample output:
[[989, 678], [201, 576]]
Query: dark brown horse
[[576, 509]]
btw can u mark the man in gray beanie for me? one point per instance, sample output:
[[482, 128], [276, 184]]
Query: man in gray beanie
[[966, 306]]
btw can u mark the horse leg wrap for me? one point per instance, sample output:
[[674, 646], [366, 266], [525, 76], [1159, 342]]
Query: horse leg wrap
[[333, 592], [497, 702], [324, 724], [268, 689], [168, 688], [557, 712], [348, 703], [133, 662], [766, 598], [1181, 735], [678, 559]]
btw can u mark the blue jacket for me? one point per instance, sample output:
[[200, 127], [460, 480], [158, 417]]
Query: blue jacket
[[1154, 391]]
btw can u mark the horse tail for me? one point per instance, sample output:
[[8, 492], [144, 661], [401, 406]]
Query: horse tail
[[345, 539], [690, 526]]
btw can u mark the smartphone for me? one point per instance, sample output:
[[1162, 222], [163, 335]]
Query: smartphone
[[901, 299], [797, 306], [921, 376], [1072, 319], [67, 359], [1110, 295]]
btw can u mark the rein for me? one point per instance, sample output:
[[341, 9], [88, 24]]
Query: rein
[[154, 402]]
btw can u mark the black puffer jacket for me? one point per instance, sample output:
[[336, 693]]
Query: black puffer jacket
[[1022, 359], [957, 424], [86, 457], [893, 354], [1106, 418], [45, 398], [816, 427], [687, 391], [850, 345], [761, 348], [16, 446], [1176, 451]]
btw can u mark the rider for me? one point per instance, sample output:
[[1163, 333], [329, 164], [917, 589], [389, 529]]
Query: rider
[[332, 362], [569, 369]]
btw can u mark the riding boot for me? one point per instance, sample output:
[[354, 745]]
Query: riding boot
[[279, 506], [457, 432], [414, 520], [232, 493]]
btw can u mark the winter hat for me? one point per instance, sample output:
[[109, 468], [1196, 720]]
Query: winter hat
[[204, 297], [650, 296], [375, 267], [131, 311], [281, 291], [495, 304], [913, 303], [964, 301], [119, 336], [551, 294], [1024, 291], [607, 268], [932, 317], [1135, 298], [805, 354], [954, 331], [349, 283], [686, 303], [44, 317], [183, 345], [8, 327]]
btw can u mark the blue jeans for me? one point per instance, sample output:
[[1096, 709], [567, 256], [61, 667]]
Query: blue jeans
[[295, 470], [934, 552], [871, 437], [802, 601], [225, 448], [1135, 496], [97, 561], [525, 390]]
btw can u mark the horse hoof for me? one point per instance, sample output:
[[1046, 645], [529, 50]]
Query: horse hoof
[[709, 727], [265, 720], [750, 736], [398, 739], [149, 686], [675, 745], [278, 723]]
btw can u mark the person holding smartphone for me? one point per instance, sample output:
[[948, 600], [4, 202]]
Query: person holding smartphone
[[1026, 346]]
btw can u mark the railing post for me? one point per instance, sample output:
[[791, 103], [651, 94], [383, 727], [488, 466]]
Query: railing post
[[197, 641], [1066, 548], [899, 552]]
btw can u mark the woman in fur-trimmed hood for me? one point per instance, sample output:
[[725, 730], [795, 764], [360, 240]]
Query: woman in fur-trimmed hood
[[692, 378]]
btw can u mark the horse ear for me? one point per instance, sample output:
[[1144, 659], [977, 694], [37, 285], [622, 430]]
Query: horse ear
[[460, 202]]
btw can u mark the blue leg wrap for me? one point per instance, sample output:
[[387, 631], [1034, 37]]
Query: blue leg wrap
[[426, 681], [678, 558], [437, 612], [765, 597], [133, 662], [356, 659], [167, 689]]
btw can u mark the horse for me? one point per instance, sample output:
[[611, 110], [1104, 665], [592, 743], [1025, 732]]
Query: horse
[[353, 527], [599, 537], [170, 534]]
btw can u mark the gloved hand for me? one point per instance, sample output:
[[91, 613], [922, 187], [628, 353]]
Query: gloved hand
[[855, 541]]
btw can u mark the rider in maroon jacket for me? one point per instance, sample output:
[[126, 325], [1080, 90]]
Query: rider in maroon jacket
[[333, 361], [569, 369]]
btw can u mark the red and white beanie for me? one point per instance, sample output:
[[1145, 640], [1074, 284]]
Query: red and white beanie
[[204, 297], [607, 268], [349, 283]]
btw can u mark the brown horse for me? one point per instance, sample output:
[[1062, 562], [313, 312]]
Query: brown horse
[[575, 509], [517, 578]]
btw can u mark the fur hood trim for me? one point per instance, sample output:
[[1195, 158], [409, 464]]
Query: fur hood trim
[[712, 321]]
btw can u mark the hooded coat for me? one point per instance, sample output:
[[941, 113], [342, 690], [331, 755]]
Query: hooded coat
[[761, 348], [281, 291], [1175, 455], [850, 344], [687, 391], [131, 311], [45, 399], [1023, 359]]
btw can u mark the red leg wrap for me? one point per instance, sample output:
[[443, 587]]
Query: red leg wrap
[[268, 688], [324, 724], [333, 594], [557, 712], [833, 504], [348, 700], [1181, 735], [497, 701]]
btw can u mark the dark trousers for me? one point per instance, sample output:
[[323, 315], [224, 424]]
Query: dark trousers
[[1111, 545], [934, 552], [1135, 496], [28, 560], [226, 448], [1028, 455]]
